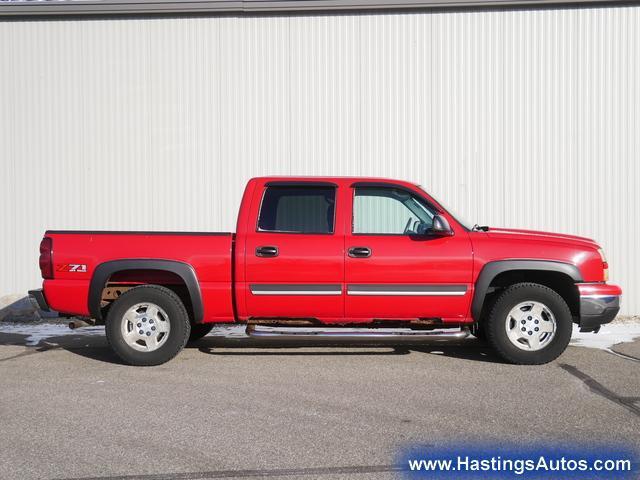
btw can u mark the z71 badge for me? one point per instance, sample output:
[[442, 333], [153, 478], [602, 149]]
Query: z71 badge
[[73, 267]]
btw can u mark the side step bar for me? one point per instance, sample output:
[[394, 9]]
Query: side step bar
[[371, 334]]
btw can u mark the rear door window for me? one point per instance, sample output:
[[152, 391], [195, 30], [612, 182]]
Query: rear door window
[[297, 209]]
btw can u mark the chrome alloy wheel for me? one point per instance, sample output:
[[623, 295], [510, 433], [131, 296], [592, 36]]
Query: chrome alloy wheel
[[530, 326], [145, 327]]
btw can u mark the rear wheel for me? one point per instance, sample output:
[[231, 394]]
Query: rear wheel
[[199, 330], [147, 325], [529, 324]]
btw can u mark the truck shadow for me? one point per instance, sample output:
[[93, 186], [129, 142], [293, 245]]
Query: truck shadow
[[95, 347], [471, 349]]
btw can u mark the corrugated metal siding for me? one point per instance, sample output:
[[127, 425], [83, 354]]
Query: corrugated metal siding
[[240, 7], [513, 118]]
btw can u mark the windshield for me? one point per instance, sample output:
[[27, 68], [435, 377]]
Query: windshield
[[461, 220]]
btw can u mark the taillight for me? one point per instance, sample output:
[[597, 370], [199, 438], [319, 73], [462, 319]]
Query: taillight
[[605, 265], [46, 258]]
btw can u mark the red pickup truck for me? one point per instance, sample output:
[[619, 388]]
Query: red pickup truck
[[332, 257]]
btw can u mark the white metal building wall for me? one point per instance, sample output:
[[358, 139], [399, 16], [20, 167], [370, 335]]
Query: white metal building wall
[[514, 118]]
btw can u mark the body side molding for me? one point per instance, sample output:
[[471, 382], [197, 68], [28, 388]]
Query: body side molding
[[295, 289], [406, 290], [106, 269], [493, 269]]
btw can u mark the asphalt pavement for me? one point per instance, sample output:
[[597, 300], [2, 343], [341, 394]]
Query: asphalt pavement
[[236, 408]]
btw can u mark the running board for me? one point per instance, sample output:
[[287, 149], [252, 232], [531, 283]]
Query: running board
[[320, 333]]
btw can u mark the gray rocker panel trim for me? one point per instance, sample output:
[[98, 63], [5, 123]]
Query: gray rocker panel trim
[[106, 269], [493, 269]]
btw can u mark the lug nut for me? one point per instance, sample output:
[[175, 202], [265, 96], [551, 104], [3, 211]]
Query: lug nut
[[154, 328], [524, 329], [523, 322], [537, 321], [144, 319], [149, 334], [150, 321], [536, 329], [141, 332], [139, 325], [530, 333], [529, 318]]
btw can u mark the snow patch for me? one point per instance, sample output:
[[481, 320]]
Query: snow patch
[[608, 336], [38, 332], [229, 331]]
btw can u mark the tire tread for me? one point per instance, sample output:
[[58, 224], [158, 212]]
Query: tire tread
[[540, 357], [150, 359]]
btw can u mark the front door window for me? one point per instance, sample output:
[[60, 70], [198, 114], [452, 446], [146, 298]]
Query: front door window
[[389, 211]]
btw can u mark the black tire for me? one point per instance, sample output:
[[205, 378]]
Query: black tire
[[178, 319], [480, 332], [199, 330], [495, 326]]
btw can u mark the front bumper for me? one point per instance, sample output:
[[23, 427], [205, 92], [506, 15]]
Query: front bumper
[[599, 304], [37, 297]]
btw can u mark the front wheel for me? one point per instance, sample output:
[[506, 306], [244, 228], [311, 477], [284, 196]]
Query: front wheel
[[529, 324], [147, 325]]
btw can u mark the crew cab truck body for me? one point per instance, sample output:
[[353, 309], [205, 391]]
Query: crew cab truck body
[[312, 255]]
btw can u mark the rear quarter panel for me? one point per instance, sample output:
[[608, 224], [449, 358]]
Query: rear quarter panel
[[208, 253]]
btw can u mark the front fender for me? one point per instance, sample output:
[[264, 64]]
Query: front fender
[[492, 269]]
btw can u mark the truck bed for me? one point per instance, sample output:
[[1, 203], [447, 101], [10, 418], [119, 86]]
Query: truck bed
[[77, 254]]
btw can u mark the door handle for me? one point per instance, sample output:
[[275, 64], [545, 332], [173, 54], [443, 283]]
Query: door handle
[[267, 251], [359, 252]]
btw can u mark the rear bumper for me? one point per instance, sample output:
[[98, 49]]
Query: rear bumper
[[37, 296], [599, 304]]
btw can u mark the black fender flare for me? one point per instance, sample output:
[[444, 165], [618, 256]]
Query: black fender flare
[[103, 271], [492, 269]]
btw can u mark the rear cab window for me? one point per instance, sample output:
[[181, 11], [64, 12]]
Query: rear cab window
[[298, 209]]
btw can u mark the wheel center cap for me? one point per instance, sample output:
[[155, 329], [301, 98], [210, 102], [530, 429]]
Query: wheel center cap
[[530, 325], [146, 326]]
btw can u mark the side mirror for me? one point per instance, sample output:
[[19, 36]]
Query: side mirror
[[440, 227], [423, 229]]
